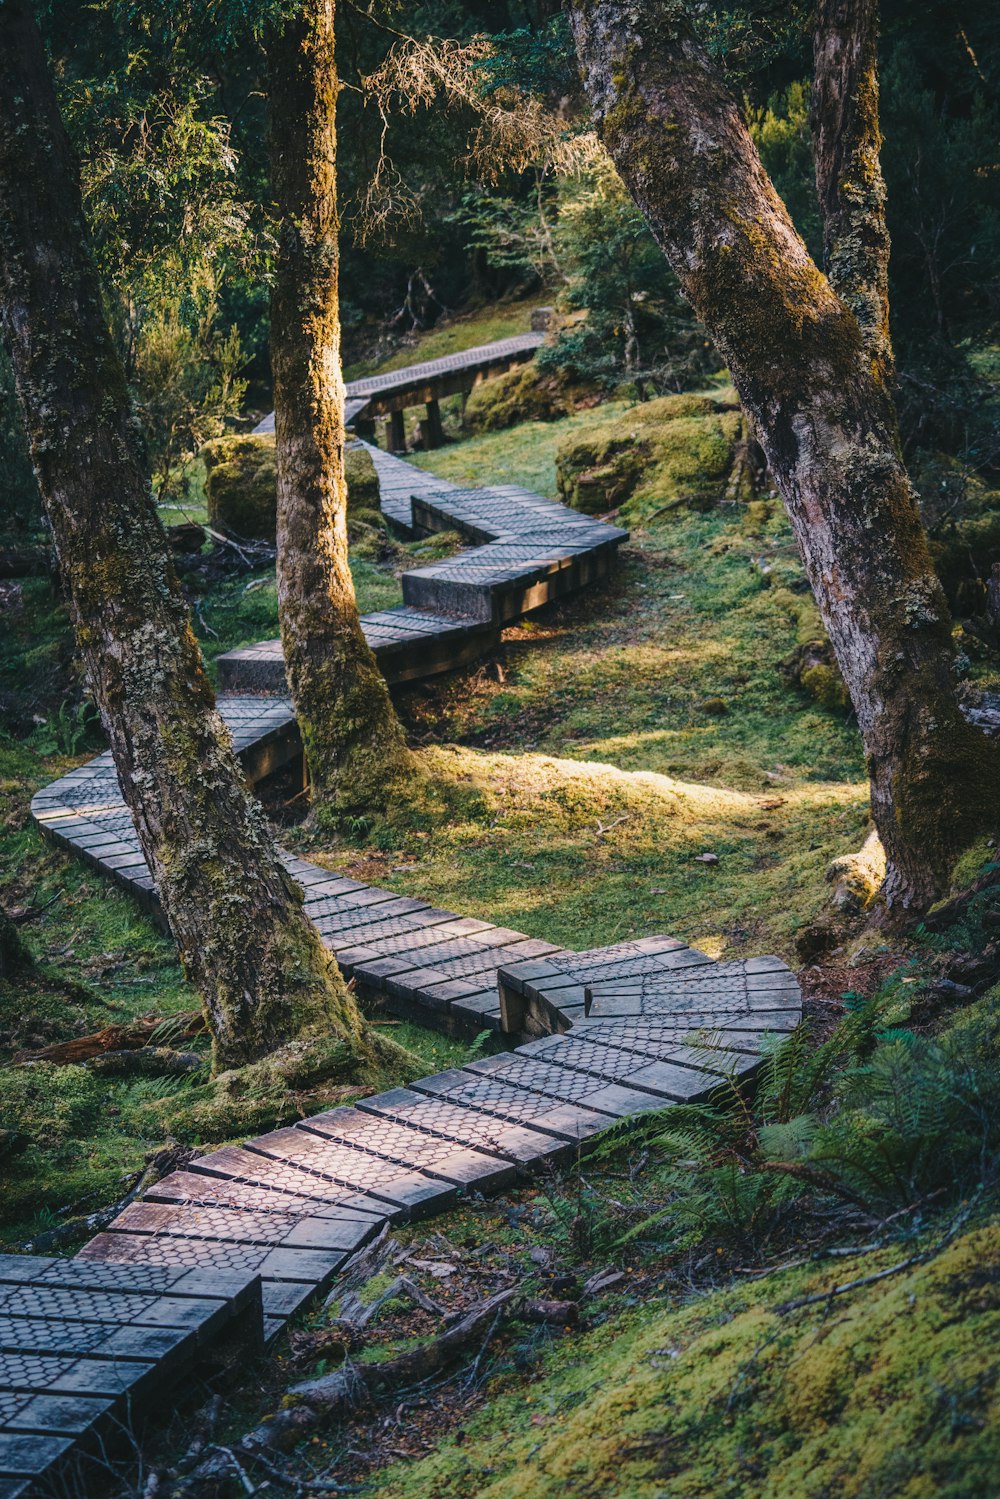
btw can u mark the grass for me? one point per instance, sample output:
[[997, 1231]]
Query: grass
[[452, 336], [523, 455]]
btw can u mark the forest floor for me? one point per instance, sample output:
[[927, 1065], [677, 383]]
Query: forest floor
[[570, 784]]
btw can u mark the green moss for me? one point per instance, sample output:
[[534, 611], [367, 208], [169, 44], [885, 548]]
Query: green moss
[[524, 394], [895, 1393], [676, 448], [241, 485]]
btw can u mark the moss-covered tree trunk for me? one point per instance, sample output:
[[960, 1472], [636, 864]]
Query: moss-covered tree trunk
[[354, 746], [264, 975], [849, 182], [822, 413]]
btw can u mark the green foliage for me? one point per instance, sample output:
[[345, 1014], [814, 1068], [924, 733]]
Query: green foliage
[[630, 322], [874, 1117], [187, 385], [781, 133], [73, 727]]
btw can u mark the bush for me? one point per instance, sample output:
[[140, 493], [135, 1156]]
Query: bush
[[521, 395], [241, 486], [674, 449]]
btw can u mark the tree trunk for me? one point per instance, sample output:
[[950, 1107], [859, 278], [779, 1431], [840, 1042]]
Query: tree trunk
[[826, 423], [14, 956], [849, 182], [263, 973], [354, 745]]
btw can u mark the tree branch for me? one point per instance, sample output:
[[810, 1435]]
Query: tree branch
[[849, 181]]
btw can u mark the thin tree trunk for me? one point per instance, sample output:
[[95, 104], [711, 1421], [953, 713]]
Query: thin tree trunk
[[14, 955], [263, 973], [354, 745], [826, 424], [849, 181]]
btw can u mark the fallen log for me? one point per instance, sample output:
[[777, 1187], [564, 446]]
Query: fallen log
[[148, 1061]]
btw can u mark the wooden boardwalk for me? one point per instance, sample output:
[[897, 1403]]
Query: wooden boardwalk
[[390, 393], [524, 551], [593, 1037], [85, 1349]]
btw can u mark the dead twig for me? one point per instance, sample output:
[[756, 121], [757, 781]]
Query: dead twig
[[910, 1263]]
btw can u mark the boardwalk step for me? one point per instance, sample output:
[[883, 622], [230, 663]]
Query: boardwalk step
[[86, 1349]]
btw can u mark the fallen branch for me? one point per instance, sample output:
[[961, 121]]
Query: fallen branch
[[315, 1400], [158, 1165], [910, 1263], [148, 1061], [116, 1038]]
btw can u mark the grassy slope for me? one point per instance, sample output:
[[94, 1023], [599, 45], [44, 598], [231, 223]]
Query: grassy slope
[[452, 336], [590, 779], [890, 1390]]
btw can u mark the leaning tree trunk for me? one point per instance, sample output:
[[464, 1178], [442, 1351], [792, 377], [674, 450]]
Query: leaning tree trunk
[[354, 745], [245, 941], [825, 421]]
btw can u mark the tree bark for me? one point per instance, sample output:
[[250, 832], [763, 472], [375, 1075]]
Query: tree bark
[[354, 746], [825, 421], [846, 144], [262, 970]]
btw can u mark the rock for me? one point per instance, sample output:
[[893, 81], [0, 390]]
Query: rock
[[656, 455], [242, 486], [188, 537], [811, 666], [706, 858], [524, 394]]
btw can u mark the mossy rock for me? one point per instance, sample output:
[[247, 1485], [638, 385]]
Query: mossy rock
[[673, 449], [812, 667], [521, 395], [241, 485]]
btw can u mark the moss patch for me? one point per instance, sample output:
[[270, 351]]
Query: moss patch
[[241, 485], [892, 1391], [676, 448], [524, 394]]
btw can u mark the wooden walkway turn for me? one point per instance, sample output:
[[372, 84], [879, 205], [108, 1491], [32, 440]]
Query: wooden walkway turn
[[593, 1037]]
